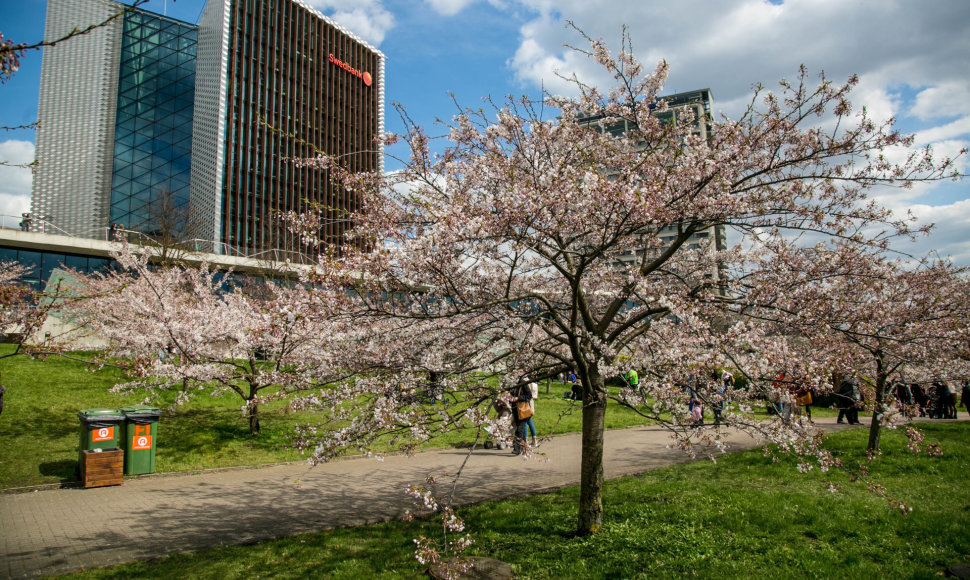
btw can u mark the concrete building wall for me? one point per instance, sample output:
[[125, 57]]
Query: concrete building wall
[[209, 128], [76, 109]]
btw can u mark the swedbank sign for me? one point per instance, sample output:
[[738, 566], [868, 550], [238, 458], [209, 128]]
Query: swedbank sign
[[364, 76]]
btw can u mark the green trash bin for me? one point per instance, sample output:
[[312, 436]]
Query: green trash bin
[[100, 429], [141, 436]]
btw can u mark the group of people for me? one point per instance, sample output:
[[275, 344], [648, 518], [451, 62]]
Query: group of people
[[576, 389], [937, 400], [699, 393], [116, 231], [710, 393], [720, 382]]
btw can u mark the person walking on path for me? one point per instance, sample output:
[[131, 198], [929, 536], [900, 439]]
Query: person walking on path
[[964, 396], [726, 382], [781, 398], [938, 398], [633, 379], [848, 396], [920, 398], [522, 394], [696, 413], [950, 400], [503, 409], [803, 401], [530, 425], [904, 397]]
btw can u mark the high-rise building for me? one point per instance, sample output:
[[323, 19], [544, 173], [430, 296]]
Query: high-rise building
[[699, 103], [149, 113]]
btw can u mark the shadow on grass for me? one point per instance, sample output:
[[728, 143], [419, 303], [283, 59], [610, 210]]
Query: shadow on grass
[[52, 426], [65, 470], [201, 438]]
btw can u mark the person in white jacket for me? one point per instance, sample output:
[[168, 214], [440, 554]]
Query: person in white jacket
[[530, 426]]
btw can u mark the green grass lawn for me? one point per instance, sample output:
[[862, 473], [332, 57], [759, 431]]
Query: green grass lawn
[[740, 518], [39, 428]]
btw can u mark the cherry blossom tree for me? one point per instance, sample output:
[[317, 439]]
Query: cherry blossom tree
[[542, 240], [193, 330], [23, 310], [877, 319], [14, 297], [565, 244]]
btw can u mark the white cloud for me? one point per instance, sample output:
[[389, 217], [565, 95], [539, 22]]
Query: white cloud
[[11, 208], [949, 131], [368, 19], [731, 45], [448, 7], [533, 62], [947, 99], [872, 92], [910, 56], [15, 181], [949, 234]]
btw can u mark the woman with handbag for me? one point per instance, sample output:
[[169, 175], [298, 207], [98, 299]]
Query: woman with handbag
[[803, 398], [521, 412], [530, 425]]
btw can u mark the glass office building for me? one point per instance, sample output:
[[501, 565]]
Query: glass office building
[[150, 113], [153, 127], [40, 263]]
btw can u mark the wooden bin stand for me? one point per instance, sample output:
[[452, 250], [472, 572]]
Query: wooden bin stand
[[102, 468]]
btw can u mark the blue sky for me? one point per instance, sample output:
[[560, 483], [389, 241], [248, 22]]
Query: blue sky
[[911, 55]]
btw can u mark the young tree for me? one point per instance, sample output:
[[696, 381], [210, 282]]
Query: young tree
[[171, 227], [23, 311], [193, 330], [519, 234], [16, 304], [877, 319]]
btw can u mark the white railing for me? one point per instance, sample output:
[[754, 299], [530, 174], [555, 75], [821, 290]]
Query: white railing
[[44, 226]]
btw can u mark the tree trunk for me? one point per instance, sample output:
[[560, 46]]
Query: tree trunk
[[875, 428], [591, 470], [253, 407]]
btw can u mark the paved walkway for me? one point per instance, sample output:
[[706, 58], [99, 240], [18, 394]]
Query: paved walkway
[[57, 531]]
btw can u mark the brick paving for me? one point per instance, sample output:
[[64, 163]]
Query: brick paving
[[47, 532]]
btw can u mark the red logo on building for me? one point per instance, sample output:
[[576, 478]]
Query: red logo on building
[[364, 76]]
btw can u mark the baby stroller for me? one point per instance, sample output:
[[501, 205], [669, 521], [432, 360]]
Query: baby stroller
[[504, 411]]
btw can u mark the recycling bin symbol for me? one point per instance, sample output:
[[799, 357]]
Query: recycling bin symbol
[[141, 442]]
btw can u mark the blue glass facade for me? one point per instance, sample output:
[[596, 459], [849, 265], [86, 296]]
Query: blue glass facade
[[153, 131], [41, 263]]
